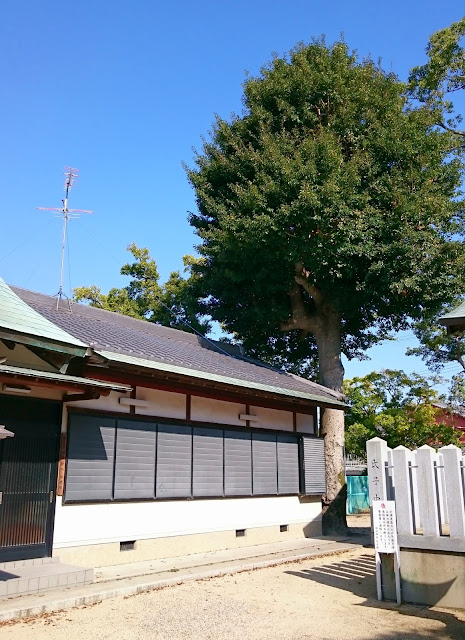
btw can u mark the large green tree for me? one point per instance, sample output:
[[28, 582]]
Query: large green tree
[[395, 406], [328, 213], [435, 83]]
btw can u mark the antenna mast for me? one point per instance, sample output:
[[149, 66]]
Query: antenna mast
[[71, 176]]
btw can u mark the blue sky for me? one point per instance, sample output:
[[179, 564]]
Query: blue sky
[[124, 91]]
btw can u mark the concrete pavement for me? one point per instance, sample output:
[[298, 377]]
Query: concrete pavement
[[134, 578]]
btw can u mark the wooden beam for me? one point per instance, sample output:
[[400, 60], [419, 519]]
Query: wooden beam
[[208, 389], [62, 465], [188, 406], [92, 394]]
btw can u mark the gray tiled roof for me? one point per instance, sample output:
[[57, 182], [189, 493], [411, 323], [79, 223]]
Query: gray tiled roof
[[110, 332]]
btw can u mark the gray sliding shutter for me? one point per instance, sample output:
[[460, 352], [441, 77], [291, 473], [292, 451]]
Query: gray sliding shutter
[[174, 461], [135, 460], [288, 464], [264, 464], [314, 466], [207, 470], [237, 463], [91, 443]]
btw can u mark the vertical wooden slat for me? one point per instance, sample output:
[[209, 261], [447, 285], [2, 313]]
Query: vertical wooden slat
[[62, 464], [188, 407], [404, 504], [441, 489], [427, 491], [452, 458]]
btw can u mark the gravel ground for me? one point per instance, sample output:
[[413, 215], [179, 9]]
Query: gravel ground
[[320, 599]]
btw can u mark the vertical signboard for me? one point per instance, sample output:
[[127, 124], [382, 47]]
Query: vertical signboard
[[385, 539]]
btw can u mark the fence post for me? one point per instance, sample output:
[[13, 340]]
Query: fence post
[[404, 503], [454, 490], [377, 456], [427, 491]]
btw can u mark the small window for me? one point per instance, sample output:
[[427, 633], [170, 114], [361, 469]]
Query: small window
[[127, 545], [283, 528], [240, 533]]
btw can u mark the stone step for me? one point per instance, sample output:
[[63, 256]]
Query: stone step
[[31, 579], [14, 564]]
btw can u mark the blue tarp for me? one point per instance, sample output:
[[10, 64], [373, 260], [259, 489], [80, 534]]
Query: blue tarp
[[357, 494]]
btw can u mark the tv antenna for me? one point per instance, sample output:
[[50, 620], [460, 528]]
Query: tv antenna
[[71, 176]]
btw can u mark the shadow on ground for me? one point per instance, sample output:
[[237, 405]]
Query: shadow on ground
[[357, 575]]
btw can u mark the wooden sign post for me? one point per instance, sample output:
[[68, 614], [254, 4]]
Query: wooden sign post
[[385, 538]]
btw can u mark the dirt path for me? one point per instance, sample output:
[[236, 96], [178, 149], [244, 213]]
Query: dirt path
[[332, 599]]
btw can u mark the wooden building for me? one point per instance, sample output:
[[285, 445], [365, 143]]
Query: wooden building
[[134, 441]]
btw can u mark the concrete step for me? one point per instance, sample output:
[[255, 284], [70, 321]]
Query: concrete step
[[38, 578], [14, 564]]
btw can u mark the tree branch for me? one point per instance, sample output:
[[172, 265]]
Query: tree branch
[[301, 277], [450, 130], [300, 318]]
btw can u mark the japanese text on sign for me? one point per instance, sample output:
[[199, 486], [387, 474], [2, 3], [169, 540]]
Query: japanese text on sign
[[384, 525]]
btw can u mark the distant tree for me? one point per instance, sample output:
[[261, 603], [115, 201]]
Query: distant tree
[[328, 216], [442, 75], [456, 397], [396, 407], [437, 347], [173, 304]]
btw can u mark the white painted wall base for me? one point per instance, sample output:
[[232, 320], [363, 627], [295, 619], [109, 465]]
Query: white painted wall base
[[90, 535], [88, 524]]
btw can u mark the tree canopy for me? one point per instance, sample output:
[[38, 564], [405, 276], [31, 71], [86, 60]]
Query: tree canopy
[[173, 304], [331, 203], [442, 75], [396, 407], [433, 83], [329, 215]]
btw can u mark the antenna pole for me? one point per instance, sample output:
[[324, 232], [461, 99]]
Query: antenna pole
[[65, 221], [67, 214]]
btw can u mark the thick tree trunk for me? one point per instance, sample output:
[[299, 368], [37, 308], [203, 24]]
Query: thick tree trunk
[[331, 372], [320, 318]]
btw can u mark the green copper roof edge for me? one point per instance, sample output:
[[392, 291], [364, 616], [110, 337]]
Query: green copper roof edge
[[61, 377], [18, 317], [172, 368], [44, 343]]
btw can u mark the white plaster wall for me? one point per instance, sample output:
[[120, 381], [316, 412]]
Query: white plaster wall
[[305, 423], [104, 403], [272, 419], [219, 411], [162, 403], [77, 525]]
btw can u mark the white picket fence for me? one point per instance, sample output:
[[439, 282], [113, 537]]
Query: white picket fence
[[428, 488]]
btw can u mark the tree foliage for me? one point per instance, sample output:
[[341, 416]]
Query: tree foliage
[[397, 407], [173, 304], [443, 74], [329, 215], [329, 204], [437, 347]]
